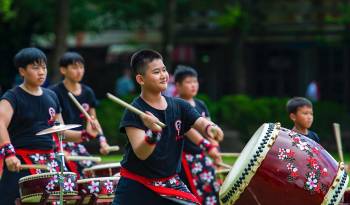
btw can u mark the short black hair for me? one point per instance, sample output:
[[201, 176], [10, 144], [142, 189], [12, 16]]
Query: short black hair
[[28, 56], [141, 58], [182, 71], [297, 102], [70, 58]]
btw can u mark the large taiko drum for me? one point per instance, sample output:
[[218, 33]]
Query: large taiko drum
[[103, 187], [32, 187], [279, 166], [346, 197], [102, 170]]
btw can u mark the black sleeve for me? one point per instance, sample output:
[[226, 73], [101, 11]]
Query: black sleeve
[[205, 108], [315, 137], [55, 98], [189, 114], [10, 96], [131, 119]]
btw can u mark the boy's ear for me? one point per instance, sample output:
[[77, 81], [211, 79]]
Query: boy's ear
[[21, 71], [177, 85], [139, 79], [63, 70], [292, 117]]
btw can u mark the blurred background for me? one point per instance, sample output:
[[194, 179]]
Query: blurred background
[[251, 56]]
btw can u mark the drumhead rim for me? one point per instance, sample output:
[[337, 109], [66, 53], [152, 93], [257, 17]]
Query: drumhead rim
[[43, 175], [97, 179], [102, 166], [256, 151], [338, 187]]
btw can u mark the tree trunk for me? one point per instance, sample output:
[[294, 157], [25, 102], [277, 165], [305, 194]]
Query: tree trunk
[[168, 31], [61, 32]]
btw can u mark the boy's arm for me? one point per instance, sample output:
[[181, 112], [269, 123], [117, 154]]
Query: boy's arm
[[78, 136], [204, 144], [143, 144], [141, 147], [6, 113], [102, 139], [208, 128]]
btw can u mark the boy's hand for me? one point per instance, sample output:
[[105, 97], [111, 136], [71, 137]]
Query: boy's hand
[[93, 127], [149, 120], [215, 155], [13, 163], [215, 132], [104, 148]]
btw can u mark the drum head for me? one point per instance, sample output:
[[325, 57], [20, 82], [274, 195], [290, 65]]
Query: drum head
[[247, 163]]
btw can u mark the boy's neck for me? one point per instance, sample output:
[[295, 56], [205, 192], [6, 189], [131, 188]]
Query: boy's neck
[[188, 99], [300, 130], [154, 99], [72, 86], [33, 90]]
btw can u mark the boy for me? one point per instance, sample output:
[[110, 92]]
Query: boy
[[301, 113], [72, 68], [152, 159], [201, 181], [24, 111]]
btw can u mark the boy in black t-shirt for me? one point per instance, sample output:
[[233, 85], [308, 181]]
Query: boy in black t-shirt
[[198, 170], [301, 113], [72, 68], [152, 159], [24, 111]]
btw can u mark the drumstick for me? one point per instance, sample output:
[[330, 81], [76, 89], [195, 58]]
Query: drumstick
[[33, 166], [222, 171], [336, 127], [229, 154], [75, 101], [223, 165], [113, 148], [130, 107], [81, 158]]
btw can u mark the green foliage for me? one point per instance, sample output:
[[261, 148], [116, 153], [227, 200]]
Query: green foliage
[[5, 10], [232, 17]]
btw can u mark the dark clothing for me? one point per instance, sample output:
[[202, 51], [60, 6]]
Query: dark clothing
[[31, 115], [165, 160], [312, 135], [141, 177], [189, 146], [9, 188], [70, 113]]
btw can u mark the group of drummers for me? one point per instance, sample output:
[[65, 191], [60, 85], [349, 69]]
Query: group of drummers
[[173, 146]]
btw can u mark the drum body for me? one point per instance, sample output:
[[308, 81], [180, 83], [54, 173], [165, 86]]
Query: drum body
[[102, 170], [279, 166], [32, 187], [103, 187]]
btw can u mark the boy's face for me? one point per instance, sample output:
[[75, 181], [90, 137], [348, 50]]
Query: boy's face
[[188, 87], [303, 117], [156, 76], [34, 74], [73, 72]]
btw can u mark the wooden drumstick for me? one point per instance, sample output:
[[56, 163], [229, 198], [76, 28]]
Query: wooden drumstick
[[223, 165], [130, 107], [33, 166], [337, 134], [82, 158], [75, 101], [113, 148], [222, 171], [229, 154]]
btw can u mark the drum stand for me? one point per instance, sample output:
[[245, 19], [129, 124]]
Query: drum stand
[[61, 158]]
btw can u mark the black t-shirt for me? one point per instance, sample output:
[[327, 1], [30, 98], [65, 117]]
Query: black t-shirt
[[70, 113], [189, 146], [31, 115], [165, 160], [312, 135]]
